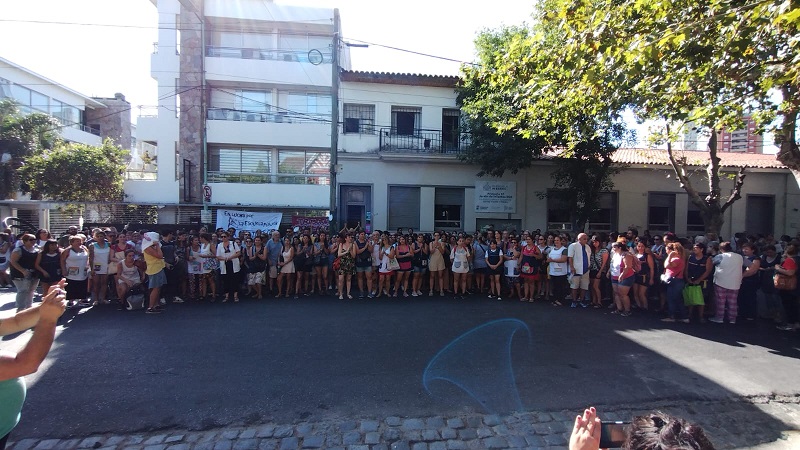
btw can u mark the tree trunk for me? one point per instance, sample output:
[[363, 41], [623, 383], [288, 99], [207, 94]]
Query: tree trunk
[[786, 139]]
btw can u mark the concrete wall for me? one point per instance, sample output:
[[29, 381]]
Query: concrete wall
[[383, 96], [114, 120], [632, 187]]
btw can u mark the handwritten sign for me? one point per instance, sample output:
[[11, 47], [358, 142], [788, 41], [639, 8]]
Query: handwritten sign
[[248, 220], [496, 197]]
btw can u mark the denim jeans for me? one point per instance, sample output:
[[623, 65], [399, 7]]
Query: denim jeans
[[25, 290], [677, 310]]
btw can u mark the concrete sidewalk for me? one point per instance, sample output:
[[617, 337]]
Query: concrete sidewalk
[[728, 424]]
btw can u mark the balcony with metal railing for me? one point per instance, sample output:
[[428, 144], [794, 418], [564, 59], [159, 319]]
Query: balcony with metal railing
[[422, 141]]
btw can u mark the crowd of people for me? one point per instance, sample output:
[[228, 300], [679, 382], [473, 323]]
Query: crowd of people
[[699, 278]]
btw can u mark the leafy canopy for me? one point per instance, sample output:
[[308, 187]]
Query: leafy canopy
[[76, 173]]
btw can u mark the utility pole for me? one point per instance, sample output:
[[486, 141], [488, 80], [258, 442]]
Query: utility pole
[[334, 121]]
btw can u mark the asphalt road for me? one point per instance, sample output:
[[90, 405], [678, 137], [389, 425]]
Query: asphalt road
[[199, 366]]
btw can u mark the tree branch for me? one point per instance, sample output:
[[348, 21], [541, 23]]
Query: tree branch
[[736, 194]]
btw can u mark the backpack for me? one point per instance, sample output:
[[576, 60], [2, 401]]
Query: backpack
[[637, 265]]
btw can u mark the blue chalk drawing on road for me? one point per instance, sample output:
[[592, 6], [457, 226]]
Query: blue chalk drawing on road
[[479, 363]]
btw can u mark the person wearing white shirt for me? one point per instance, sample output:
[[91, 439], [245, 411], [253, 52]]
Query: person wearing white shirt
[[727, 281], [578, 254]]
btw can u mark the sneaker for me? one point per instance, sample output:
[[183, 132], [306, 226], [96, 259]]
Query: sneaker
[[685, 320], [370, 295], [583, 305], [574, 305], [491, 295], [668, 319], [159, 308], [625, 314], [413, 294], [616, 311], [177, 300], [732, 322], [84, 303], [786, 327], [152, 311], [499, 298], [715, 320], [163, 301]]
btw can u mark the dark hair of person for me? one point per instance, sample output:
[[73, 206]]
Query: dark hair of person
[[47, 244], [206, 236], [750, 246], [659, 430], [725, 246]]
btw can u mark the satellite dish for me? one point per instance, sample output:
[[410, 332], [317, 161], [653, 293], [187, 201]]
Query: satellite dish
[[315, 57]]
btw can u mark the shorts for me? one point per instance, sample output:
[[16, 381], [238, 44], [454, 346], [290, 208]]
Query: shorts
[[625, 282], [273, 271], [385, 273], [157, 279], [480, 270], [367, 269], [498, 271], [420, 269], [512, 280], [579, 282], [642, 279]]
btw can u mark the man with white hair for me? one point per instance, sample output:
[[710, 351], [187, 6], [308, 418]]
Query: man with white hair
[[578, 257]]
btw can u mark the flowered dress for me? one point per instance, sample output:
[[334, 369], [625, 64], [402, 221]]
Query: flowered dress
[[347, 264]]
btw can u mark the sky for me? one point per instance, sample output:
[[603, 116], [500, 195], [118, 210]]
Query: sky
[[104, 46], [101, 47]]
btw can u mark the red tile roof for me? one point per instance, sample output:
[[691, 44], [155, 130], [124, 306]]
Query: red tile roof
[[647, 156], [409, 79]]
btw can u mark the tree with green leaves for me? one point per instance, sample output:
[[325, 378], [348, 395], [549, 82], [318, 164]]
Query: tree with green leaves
[[76, 173], [688, 62], [21, 136], [494, 94]]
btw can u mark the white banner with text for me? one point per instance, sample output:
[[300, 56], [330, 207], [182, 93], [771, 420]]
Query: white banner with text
[[247, 220]]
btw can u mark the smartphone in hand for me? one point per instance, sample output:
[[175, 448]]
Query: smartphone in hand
[[613, 434]]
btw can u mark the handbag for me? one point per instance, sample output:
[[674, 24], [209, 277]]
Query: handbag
[[666, 279], [693, 295], [393, 264], [785, 282], [337, 263]]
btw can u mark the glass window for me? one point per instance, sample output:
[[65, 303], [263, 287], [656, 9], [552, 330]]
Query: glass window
[[359, 118], [559, 211], [56, 110], [252, 101], [448, 207], [22, 95], [291, 162], [406, 120], [661, 212], [40, 102]]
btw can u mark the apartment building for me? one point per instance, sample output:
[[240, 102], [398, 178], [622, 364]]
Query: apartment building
[[244, 113]]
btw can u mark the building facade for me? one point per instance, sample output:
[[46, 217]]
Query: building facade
[[246, 99], [82, 119], [245, 106]]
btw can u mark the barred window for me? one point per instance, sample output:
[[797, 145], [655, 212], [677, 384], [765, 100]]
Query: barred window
[[359, 118]]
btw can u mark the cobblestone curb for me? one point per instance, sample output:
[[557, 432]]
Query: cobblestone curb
[[732, 424]]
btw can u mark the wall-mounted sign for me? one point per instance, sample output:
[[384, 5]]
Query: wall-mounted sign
[[496, 197]]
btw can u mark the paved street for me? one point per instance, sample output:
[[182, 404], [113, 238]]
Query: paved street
[[319, 372]]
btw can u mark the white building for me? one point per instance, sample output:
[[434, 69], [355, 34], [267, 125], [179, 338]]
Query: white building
[[245, 105], [36, 93], [82, 119], [252, 81]]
